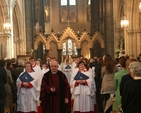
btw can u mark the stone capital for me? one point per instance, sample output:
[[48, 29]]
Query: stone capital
[[138, 31], [130, 32]]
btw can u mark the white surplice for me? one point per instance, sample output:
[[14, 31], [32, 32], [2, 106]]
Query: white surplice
[[39, 74], [26, 97], [83, 94], [67, 72], [43, 72]]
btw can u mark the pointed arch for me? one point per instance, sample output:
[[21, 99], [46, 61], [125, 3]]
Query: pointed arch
[[99, 38], [53, 49], [18, 29], [85, 49], [40, 39]]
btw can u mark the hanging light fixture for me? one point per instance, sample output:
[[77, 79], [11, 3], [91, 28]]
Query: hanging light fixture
[[7, 27], [124, 22]]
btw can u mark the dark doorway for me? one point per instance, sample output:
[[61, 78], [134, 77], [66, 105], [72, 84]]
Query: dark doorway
[[40, 51], [97, 51]]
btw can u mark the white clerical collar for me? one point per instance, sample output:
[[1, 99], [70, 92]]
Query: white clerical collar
[[54, 72], [137, 78]]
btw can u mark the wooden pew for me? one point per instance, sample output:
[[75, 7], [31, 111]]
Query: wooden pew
[[13, 106]]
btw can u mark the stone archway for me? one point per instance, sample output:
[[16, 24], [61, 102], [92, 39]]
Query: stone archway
[[53, 50], [85, 49], [80, 41], [19, 39], [98, 45]]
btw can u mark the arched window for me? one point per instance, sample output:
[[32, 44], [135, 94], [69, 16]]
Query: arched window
[[72, 2], [64, 2], [69, 48], [64, 48], [70, 9], [47, 11], [89, 10]]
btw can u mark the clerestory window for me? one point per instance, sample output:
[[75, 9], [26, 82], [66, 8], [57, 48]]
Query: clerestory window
[[68, 11]]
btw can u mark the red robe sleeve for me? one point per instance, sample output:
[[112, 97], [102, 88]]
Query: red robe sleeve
[[29, 85]]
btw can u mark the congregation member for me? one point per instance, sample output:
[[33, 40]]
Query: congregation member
[[117, 80], [107, 87], [82, 90], [98, 81], [27, 98], [55, 91], [3, 80], [127, 77], [20, 66], [92, 66], [8, 85], [131, 97], [14, 77], [14, 62]]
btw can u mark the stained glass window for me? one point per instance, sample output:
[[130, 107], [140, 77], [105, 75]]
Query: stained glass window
[[64, 2], [75, 50], [64, 48], [69, 48]]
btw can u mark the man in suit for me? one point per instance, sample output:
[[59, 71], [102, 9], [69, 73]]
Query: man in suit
[[3, 80]]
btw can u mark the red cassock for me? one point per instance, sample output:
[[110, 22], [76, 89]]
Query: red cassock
[[54, 102]]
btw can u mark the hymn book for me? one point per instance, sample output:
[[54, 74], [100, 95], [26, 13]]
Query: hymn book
[[80, 76], [25, 77]]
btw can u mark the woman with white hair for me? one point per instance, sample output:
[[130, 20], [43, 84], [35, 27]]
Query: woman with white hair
[[131, 98]]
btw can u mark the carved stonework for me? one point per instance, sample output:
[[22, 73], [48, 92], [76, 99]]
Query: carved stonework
[[69, 33], [130, 32], [138, 31], [99, 37]]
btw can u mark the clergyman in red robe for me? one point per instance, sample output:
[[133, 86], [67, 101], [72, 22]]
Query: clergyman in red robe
[[55, 93]]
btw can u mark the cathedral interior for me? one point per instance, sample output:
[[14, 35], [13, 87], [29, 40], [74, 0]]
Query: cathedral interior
[[58, 28]]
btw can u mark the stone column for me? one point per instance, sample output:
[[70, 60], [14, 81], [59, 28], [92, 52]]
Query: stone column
[[108, 26], [29, 23], [95, 15], [79, 51], [129, 46], [138, 41], [59, 55]]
